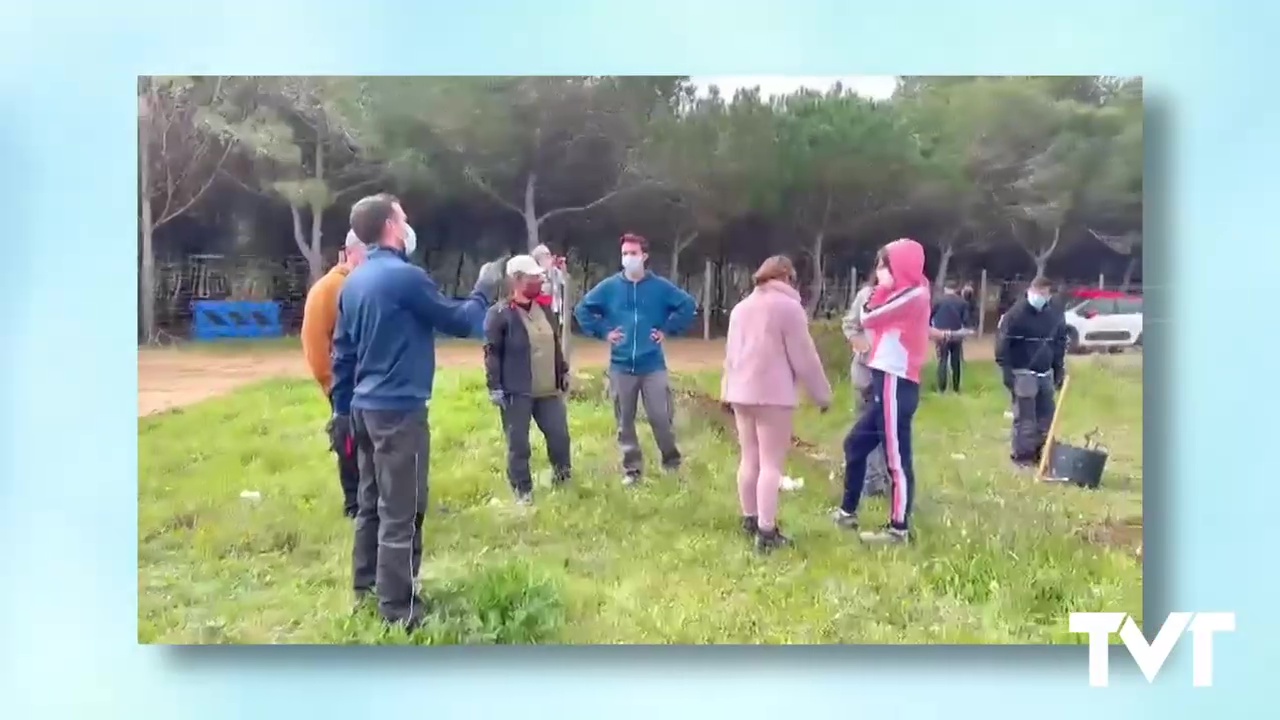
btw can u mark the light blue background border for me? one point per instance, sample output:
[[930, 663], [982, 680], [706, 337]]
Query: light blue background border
[[67, 495]]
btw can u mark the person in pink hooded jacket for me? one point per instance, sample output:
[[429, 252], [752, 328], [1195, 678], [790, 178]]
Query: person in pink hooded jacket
[[768, 354], [896, 322]]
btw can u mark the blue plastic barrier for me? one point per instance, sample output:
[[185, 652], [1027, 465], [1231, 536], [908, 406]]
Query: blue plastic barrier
[[217, 319]]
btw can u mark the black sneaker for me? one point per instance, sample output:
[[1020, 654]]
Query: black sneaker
[[885, 536], [750, 526], [768, 541], [844, 520], [418, 610], [365, 600], [561, 477], [349, 513]]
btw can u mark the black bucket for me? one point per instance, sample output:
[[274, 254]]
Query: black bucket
[[1082, 466]]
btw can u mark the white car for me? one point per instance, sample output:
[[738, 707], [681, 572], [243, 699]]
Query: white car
[[1104, 323]]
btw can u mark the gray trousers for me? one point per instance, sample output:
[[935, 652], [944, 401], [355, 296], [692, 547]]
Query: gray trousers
[[552, 419], [654, 390], [1033, 406], [877, 477], [393, 450]]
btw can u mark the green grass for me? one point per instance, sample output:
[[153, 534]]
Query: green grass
[[997, 558]]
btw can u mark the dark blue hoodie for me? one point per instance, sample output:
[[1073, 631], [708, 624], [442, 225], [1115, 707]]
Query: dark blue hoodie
[[636, 308], [384, 343]]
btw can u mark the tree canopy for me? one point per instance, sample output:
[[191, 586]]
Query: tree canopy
[[1016, 166]]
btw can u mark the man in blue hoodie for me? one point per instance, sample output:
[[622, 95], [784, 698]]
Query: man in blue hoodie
[[635, 311], [384, 350]]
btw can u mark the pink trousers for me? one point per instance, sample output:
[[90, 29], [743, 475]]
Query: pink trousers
[[764, 437]]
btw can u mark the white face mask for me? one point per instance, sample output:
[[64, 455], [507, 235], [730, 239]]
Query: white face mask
[[410, 239], [884, 277], [632, 264]]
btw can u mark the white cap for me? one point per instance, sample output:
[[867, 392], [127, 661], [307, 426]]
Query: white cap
[[351, 240], [541, 251], [524, 265]]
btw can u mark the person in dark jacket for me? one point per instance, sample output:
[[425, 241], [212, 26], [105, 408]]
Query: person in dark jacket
[[970, 297], [1032, 356], [389, 312], [527, 375], [951, 316], [635, 311]]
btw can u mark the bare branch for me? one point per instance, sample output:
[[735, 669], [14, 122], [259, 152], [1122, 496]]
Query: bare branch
[[583, 208], [198, 193], [474, 178]]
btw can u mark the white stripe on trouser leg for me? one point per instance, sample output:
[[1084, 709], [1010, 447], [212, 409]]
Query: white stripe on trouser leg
[[892, 454], [413, 535]]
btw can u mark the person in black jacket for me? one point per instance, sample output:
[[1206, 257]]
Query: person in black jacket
[[1031, 352], [951, 316], [527, 375]]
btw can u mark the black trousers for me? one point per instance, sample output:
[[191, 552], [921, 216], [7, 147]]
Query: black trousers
[[348, 471], [550, 414], [394, 450], [950, 358]]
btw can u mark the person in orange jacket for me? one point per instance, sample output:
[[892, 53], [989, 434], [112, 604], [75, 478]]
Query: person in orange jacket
[[319, 316]]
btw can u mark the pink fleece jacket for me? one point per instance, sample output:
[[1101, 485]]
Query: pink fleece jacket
[[897, 316], [769, 352]]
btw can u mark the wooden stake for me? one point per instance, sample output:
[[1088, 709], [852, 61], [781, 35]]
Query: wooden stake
[[1053, 428], [706, 301], [982, 303]]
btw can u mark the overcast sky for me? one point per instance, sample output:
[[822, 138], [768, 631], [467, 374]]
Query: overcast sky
[[878, 87]]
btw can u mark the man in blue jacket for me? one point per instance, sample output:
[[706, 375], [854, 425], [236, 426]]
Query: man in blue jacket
[[383, 366], [635, 311]]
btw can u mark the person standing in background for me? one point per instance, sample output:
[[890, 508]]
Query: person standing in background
[[635, 311], [527, 375], [1032, 352], [319, 317], [970, 297], [877, 476], [950, 316], [384, 365], [553, 285], [768, 354]]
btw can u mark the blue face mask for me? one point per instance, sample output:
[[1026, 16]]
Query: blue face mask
[[1037, 300]]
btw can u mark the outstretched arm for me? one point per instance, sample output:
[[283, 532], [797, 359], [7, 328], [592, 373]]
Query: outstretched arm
[[459, 318]]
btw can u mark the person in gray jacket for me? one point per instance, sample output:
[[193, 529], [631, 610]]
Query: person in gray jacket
[[877, 479], [527, 375]]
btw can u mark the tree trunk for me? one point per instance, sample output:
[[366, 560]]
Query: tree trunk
[[1128, 273], [457, 273], [1042, 262], [530, 211], [300, 239], [147, 289], [947, 251], [681, 243], [816, 282]]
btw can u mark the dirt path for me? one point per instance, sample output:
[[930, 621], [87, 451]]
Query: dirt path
[[170, 378]]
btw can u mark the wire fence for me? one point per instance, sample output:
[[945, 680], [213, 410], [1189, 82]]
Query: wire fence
[[717, 287]]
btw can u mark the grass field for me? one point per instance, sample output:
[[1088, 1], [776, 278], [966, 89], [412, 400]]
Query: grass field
[[997, 558]]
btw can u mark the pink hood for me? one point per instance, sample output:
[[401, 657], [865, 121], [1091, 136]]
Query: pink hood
[[905, 258]]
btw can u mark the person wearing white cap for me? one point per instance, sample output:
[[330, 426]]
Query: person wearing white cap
[[527, 375], [319, 316]]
